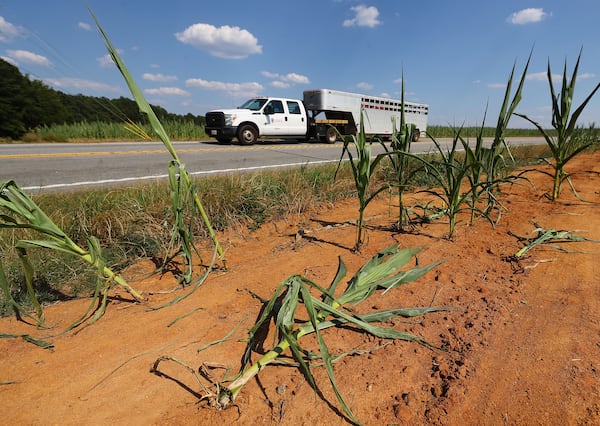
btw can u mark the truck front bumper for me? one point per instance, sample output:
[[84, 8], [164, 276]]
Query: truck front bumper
[[227, 132]]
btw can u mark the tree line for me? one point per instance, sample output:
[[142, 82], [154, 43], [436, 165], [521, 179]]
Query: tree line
[[27, 104]]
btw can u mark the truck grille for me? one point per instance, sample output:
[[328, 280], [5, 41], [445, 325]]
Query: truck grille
[[215, 119]]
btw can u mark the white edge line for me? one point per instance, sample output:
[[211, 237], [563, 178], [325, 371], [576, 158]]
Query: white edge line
[[142, 178]]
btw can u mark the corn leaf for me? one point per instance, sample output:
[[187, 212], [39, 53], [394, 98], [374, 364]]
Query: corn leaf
[[157, 126]]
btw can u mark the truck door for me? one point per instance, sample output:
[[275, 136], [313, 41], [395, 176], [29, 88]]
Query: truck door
[[295, 121], [274, 118]]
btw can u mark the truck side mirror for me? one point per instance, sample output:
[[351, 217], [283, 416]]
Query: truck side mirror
[[268, 110]]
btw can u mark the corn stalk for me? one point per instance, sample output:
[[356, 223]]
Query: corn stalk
[[363, 167], [484, 173], [402, 137], [182, 185], [449, 173], [566, 145]]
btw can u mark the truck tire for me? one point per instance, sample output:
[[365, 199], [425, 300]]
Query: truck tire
[[247, 135], [331, 135]]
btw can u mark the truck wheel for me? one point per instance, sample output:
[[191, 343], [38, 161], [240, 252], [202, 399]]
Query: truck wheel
[[247, 135], [331, 135]]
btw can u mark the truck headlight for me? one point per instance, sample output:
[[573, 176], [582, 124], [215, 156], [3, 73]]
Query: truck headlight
[[230, 119]]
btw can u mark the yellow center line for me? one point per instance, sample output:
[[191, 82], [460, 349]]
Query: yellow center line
[[149, 151]]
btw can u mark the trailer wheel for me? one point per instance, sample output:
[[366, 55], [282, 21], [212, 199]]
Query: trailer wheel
[[247, 135], [416, 135], [331, 135]]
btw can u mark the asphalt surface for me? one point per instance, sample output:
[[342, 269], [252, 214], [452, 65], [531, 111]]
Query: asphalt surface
[[67, 166]]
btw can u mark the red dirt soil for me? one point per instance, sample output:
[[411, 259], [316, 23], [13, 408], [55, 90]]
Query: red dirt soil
[[522, 346]]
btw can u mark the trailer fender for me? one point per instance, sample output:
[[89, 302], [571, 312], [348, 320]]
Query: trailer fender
[[416, 135]]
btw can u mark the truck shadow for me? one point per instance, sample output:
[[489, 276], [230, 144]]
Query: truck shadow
[[270, 142]]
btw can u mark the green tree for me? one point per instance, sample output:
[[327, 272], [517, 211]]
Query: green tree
[[43, 106], [12, 101]]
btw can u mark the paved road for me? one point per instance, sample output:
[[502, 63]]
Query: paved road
[[63, 166]]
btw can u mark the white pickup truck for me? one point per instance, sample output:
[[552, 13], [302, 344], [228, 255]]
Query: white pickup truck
[[324, 115]]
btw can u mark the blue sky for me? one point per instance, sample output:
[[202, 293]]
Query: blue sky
[[194, 56]]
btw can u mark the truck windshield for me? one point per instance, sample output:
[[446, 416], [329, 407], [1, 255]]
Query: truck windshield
[[253, 104]]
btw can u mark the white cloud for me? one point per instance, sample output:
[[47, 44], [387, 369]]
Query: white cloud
[[285, 81], [27, 57], [586, 75], [106, 60], [224, 42], [385, 95], [159, 77], [169, 91], [268, 74], [248, 89], [365, 16], [365, 86], [296, 78], [496, 85], [84, 26], [66, 83], [8, 31], [280, 84], [542, 76], [527, 16]]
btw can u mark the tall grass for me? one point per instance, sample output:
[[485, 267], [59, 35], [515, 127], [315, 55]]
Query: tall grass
[[181, 130], [177, 129], [447, 131], [133, 223]]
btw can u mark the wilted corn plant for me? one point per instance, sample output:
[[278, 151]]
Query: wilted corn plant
[[382, 272], [182, 186], [546, 236], [363, 169], [19, 211], [566, 144]]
